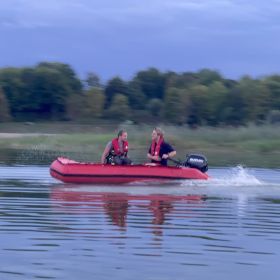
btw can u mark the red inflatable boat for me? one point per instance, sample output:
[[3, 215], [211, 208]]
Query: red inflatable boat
[[70, 171]]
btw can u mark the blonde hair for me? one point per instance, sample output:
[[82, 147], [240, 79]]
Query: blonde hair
[[159, 131], [121, 132]]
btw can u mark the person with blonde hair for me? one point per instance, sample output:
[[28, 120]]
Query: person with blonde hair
[[160, 150]]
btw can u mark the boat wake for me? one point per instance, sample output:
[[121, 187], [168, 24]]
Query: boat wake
[[237, 176], [238, 180], [222, 182]]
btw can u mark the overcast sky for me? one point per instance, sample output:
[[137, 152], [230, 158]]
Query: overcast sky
[[121, 37]]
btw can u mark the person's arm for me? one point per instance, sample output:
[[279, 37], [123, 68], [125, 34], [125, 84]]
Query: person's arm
[[169, 155], [157, 158], [171, 152], [106, 152], [151, 157]]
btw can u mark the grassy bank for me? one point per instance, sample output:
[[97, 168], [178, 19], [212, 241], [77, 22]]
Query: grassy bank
[[249, 146]]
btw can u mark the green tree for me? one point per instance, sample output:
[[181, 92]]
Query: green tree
[[176, 105], [50, 91], [42, 90], [95, 101], [151, 82], [247, 102], [75, 106], [137, 99], [198, 111], [119, 108], [92, 81], [272, 83], [215, 100], [184, 80], [207, 76], [114, 86], [256, 99], [4, 108], [234, 112], [155, 107], [66, 73], [12, 85]]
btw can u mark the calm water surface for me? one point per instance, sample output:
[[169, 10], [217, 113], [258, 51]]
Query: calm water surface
[[225, 228]]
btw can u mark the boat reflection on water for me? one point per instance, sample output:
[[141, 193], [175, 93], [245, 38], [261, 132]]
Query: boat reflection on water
[[77, 199]]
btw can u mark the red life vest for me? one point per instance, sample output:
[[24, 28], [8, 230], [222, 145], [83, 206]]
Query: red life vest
[[155, 148], [117, 149]]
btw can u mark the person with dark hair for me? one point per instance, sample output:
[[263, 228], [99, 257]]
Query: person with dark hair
[[116, 150], [160, 150]]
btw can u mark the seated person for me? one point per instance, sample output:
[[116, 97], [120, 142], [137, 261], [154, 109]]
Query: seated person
[[116, 150], [160, 150]]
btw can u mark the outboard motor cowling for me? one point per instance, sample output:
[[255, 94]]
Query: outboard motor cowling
[[197, 161]]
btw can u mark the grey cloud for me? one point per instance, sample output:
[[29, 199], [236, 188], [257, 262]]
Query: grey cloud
[[170, 34], [189, 16], [84, 12]]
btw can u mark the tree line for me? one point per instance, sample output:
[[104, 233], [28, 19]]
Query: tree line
[[53, 91]]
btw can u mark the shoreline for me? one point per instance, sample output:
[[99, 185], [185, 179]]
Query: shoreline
[[247, 146], [11, 135]]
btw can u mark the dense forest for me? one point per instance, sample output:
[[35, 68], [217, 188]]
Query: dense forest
[[53, 91]]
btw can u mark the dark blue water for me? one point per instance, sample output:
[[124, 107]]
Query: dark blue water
[[224, 228]]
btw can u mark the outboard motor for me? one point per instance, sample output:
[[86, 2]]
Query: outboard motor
[[197, 161]]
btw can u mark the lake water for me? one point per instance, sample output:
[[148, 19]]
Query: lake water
[[224, 228]]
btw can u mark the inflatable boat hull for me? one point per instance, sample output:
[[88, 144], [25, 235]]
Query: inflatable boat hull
[[70, 171]]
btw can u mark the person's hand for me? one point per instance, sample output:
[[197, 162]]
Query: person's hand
[[156, 158], [165, 156]]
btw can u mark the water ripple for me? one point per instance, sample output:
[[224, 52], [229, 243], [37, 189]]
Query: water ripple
[[185, 229]]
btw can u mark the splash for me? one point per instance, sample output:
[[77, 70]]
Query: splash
[[238, 176], [238, 182]]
